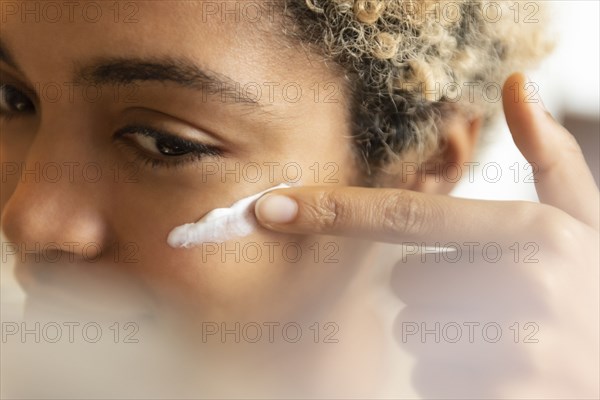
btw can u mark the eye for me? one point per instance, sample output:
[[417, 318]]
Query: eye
[[14, 102], [164, 149]]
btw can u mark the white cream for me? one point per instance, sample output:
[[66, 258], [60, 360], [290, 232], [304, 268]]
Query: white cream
[[220, 224]]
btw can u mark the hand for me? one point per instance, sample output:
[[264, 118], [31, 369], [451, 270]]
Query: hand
[[547, 285]]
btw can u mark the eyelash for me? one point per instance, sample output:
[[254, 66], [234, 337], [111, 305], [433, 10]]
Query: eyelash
[[197, 151]]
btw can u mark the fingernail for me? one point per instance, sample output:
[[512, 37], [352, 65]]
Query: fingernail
[[276, 209]]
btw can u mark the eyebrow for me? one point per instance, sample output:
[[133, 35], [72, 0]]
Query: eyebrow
[[182, 72], [127, 71]]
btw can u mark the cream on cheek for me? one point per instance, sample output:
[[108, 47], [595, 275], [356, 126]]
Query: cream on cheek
[[220, 224]]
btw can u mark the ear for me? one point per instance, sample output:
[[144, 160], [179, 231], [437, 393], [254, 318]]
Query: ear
[[441, 171]]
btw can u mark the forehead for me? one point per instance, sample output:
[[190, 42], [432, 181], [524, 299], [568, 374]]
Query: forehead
[[241, 39]]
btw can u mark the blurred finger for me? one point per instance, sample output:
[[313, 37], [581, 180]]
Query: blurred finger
[[563, 178]]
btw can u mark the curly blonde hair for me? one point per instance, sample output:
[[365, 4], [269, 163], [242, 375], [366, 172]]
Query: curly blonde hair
[[409, 64]]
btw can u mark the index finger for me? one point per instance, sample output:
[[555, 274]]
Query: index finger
[[393, 215]]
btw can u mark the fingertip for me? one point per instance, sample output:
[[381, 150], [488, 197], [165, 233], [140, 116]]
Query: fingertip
[[517, 78], [275, 209], [513, 92], [521, 97], [523, 108]]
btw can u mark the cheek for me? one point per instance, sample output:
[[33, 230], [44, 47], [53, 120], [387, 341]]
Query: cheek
[[264, 274]]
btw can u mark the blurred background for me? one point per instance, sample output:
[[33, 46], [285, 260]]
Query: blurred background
[[569, 84], [570, 79]]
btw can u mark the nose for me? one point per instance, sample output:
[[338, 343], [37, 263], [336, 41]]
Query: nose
[[57, 204]]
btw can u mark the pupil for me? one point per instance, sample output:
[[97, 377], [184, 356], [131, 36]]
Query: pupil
[[170, 149], [17, 100]]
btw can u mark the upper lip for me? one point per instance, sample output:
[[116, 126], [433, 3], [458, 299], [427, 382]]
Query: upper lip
[[84, 288]]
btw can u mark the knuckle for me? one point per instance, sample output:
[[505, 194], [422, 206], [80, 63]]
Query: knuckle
[[403, 213], [558, 233], [329, 210]]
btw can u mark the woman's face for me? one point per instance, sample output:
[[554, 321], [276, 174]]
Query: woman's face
[[124, 120]]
